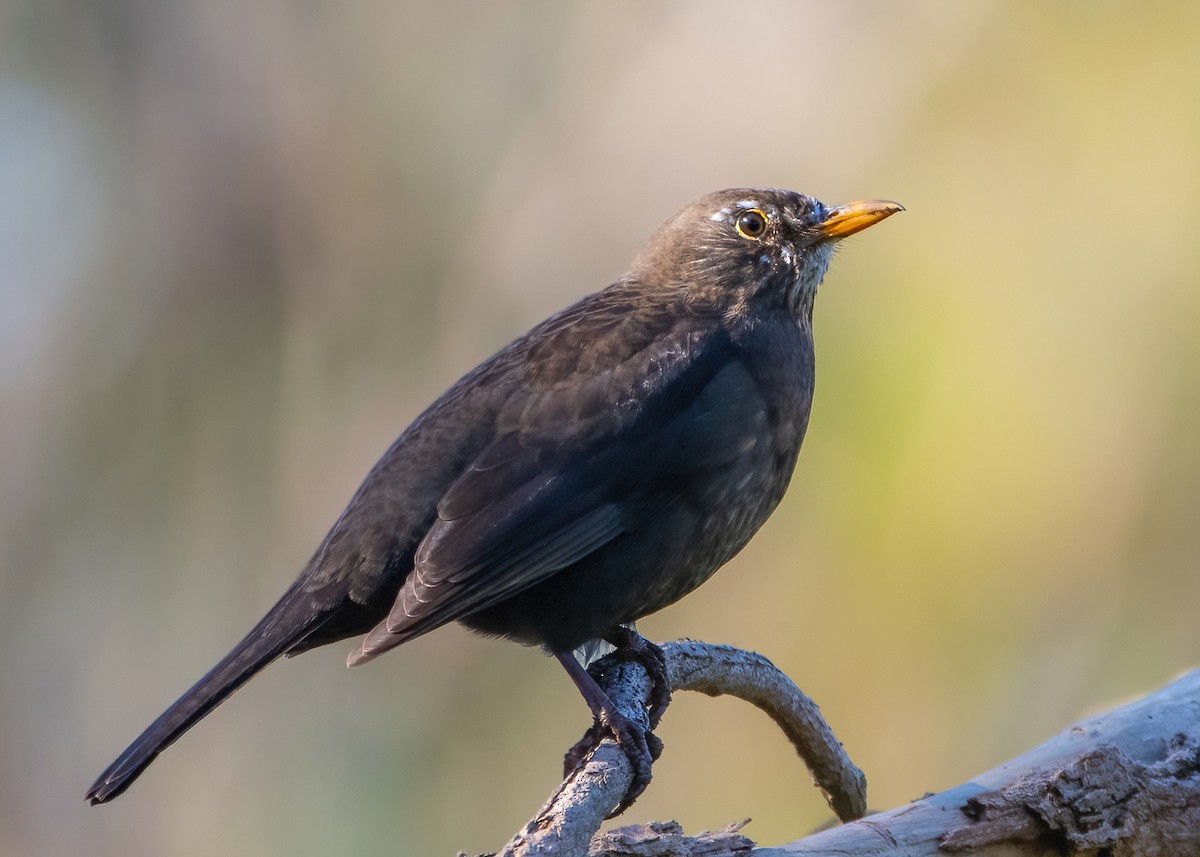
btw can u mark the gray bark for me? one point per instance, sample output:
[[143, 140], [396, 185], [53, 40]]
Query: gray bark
[[1123, 784]]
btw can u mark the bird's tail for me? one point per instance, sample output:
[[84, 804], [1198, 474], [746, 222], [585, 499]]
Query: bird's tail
[[260, 647]]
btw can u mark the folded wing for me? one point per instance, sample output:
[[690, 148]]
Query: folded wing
[[569, 470]]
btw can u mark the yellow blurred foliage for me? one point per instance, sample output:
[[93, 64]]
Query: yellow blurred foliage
[[243, 247]]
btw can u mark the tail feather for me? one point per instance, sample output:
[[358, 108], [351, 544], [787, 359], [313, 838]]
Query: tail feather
[[260, 647]]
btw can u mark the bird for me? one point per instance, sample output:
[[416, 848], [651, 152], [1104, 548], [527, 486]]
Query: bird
[[595, 470]]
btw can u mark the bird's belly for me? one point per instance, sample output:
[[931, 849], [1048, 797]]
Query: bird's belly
[[642, 571]]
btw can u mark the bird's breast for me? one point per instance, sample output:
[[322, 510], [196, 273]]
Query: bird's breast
[[761, 404]]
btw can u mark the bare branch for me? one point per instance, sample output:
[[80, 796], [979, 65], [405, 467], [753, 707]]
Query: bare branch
[[1125, 783], [573, 814], [666, 839], [724, 670]]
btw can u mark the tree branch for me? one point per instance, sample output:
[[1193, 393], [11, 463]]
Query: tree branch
[[1123, 784], [573, 814], [725, 671]]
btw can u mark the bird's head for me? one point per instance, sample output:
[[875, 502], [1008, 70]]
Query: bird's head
[[745, 248]]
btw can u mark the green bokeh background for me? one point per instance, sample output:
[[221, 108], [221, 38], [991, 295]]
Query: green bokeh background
[[241, 246]]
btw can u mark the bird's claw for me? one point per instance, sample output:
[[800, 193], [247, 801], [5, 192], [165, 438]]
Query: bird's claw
[[577, 755], [640, 746], [632, 646]]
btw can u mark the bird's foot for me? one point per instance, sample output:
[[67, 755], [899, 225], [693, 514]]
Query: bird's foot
[[637, 740], [640, 746], [632, 646], [577, 755]]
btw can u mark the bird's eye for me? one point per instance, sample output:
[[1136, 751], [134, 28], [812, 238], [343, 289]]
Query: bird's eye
[[752, 224]]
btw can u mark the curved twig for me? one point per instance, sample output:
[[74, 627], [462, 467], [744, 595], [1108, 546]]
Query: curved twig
[[724, 670], [573, 814]]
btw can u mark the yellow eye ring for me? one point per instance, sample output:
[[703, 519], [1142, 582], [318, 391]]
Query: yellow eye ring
[[752, 224]]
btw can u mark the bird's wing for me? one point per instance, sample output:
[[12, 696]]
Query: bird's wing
[[571, 468]]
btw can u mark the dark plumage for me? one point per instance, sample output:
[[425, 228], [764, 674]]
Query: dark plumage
[[597, 469]]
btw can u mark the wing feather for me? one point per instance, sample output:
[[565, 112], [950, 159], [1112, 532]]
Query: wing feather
[[564, 477]]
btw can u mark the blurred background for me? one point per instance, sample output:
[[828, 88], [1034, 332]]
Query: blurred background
[[242, 246]]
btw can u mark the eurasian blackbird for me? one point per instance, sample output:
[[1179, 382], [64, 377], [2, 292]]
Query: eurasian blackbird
[[597, 469]]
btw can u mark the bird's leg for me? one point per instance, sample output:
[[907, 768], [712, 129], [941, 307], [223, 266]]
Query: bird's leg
[[638, 741], [635, 740]]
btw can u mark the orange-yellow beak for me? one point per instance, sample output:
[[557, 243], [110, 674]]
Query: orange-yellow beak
[[855, 217]]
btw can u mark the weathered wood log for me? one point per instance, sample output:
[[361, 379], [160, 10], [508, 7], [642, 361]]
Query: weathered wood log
[[1123, 784]]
